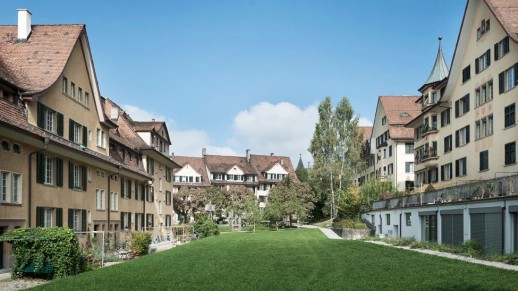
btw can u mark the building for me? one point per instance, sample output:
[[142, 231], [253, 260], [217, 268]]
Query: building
[[258, 173], [63, 161], [392, 144], [367, 155], [469, 130]]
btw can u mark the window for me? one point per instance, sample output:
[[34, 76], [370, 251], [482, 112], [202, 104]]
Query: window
[[390, 151], [483, 62], [49, 170], [167, 220], [125, 188], [77, 176], [10, 187], [484, 127], [483, 28], [77, 219], [167, 174], [462, 106], [49, 120], [509, 115], [101, 138], [466, 74], [409, 148], [445, 117], [5, 146], [150, 220], [17, 149], [391, 169], [446, 172], [384, 120], [125, 220], [87, 99], [167, 198], [150, 194], [47, 217], [510, 153], [462, 136], [408, 218], [508, 79], [73, 90], [448, 144], [387, 216], [484, 160], [139, 191], [484, 93], [65, 86], [460, 167], [409, 167], [150, 166], [114, 201], [80, 94], [501, 48], [100, 199], [78, 133]]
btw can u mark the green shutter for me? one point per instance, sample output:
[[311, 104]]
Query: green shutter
[[136, 220], [40, 168], [70, 176], [516, 74], [41, 115], [476, 66], [71, 130], [488, 57], [39, 216], [496, 51], [123, 184], [83, 220], [85, 176], [71, 218], [59, 172], [129, 189], [59, 124], [122, 220], [85, 136], [467, 134], [129, 220], [501, 83], [59, 217]]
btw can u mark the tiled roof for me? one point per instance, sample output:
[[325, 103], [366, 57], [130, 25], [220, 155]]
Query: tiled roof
[[35, 65], [148, 125], [124, 133], [196, 163], [506, 11], [400, 109], [222, 164], [398, 132], [366, 131], [263, 163]]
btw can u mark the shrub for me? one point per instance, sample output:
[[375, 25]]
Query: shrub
[[140, 243], [472, 248], [40, 246], [205, 227], [350, 223]]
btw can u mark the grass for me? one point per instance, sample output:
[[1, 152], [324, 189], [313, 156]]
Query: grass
[[289, 260]]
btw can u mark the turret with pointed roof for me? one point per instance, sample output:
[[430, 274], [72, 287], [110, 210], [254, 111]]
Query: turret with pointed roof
[[440, 69], [300, 164]]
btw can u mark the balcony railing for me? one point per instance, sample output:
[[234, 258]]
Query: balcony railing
[[425, 155], [469, 191]]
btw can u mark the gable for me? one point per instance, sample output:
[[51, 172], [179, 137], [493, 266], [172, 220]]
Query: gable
[[235, 170], [277, 169], [187, 170]]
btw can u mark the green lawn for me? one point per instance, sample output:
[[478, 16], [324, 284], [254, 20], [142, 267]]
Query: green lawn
[[289, 260]]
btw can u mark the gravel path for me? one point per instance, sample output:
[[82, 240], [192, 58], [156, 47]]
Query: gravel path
[[6, 283]]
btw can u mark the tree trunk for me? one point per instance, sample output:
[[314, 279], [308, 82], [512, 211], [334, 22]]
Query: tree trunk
[[332, 198]]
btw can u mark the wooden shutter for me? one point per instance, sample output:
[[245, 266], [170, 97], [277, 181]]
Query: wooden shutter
[[467, 134], [59, 217], [71, 218], [129, 220], [70, 176], [456, 108], [123, 187], [506, 44], [41, 115], [496, 51], [136, 221], [457, 139], [83, 220], [457, 168], [142, 219], [466, 104], [129, 189], [39, 216], [477, 66], [516, 74], [71, 130], [122, 220], [40, 168], [85, 136], [85, 176], [501, 83], [59, 121], [59, 172], [488, 57]]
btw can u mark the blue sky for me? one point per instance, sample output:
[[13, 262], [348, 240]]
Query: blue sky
[[237, 75]]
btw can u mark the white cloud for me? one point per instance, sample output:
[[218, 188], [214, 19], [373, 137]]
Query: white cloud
[[282, 129], [364, 122], [139, 114]]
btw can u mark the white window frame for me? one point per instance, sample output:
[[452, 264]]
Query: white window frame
[[509, 76], [48, 214], [100, 199], [48, 176], [49, 120], [114, 201]]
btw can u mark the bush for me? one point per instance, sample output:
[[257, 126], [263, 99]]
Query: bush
[[349, 223], [40, 246], [205, 227], [472, 248], [140, 243]]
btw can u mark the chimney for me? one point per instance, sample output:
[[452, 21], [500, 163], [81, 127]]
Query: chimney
[[114, 113], [248, 155], [282, 162], [203, 152], [153, 119], [271, 154], [24, 24]]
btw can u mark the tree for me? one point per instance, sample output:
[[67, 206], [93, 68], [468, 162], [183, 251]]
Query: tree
[[290, 197], [238, 197], [216, 198], [187, 202], [336, 148]]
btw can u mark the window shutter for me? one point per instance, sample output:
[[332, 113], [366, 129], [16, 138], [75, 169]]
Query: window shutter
[[59, 121], [516, 74], [123, 184], [71, 218], [501, 88], [481, 161], [457, 168], [70, 176], [506, 44], [59, 217], [456, 108], [122, 220], [70, 130], [129, 189], [83, 220], [59, 172], [477, 67], [85, 136], [129, 220], [442, 173], [152, 195], [496, 51], [39, 216], [85, 176], [488, 57], [41, 115], [40, 168], [466, 103], [467, 134], [457, 139], [142, 219]]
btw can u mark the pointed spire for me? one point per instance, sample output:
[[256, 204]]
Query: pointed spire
[[301, 164], [440, 69]]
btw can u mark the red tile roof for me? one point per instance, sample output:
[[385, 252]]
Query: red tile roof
[[395, 108], [197, 164], [35, 65], [366, 131], [506, 11], [222, 164]]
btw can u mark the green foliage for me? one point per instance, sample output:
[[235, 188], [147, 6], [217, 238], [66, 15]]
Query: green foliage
[[472, 248], [140, 243], [205, 227], [290, 197], [375, 189], [302, 174], [350, 223], [57, 246], [511, 259]]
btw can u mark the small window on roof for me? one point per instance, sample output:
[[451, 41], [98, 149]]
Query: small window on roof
[[405, 114]]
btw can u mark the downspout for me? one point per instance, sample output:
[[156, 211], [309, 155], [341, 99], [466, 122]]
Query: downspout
[[109, 197], [400, 225], [29, 213]]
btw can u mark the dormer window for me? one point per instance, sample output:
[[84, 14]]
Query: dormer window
[[405, 114], [483, 28]]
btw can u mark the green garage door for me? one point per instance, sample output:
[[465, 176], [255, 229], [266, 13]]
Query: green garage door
[[486, 227], [452, 227]]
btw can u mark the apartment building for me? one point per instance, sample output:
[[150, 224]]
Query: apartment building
[[389, 153], [466, 141], [258, 173], [63, 161]]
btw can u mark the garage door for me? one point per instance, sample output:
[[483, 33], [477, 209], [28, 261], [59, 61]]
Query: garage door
[[452, 228], [486, 227]]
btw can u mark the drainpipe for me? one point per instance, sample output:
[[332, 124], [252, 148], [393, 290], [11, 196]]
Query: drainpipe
[[400, 225], [46, 142], [109, 197]]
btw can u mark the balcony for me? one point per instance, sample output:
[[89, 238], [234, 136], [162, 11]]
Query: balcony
[[381, 144], [469, 191], [425, 154]]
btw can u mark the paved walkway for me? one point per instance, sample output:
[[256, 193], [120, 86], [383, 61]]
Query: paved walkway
[[328, 232]]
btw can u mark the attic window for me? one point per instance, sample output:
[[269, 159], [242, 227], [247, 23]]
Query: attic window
[[483, 28], [405, 114]]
